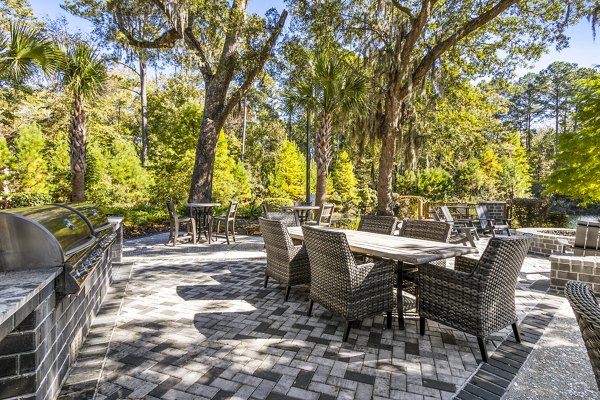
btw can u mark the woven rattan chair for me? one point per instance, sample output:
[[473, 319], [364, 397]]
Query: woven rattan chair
[[436, 231], [478, 296], [383, 224], [286, 263], [587, 312], [340, 285], [288, 218], [176, 221]]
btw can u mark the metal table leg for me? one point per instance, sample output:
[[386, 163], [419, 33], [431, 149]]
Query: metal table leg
[[399, 298]]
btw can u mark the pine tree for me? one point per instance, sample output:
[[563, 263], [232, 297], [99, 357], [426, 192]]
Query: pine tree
[[223, 179], [288, 180]]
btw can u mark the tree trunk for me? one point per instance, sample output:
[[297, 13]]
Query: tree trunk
[[144, 104], [78, 149], [385, 204], [323, 157], [212, 123]]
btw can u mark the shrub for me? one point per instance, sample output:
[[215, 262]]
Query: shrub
[[275, 203], [408, 206], [27, 199], [536, 213]]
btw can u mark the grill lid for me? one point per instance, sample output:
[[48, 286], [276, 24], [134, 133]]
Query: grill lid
[[97, 221], [41, 237]]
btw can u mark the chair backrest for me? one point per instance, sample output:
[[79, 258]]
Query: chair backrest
[[302, 203], [587, 312], [434, 214], [325, 214], [498, 270], [278, 242], [232, 210], [587, 238], [172, 211], [446, 213], [288, 218], [330, 259], [265, 208], [383, 224], [484, 215], [437, 231]]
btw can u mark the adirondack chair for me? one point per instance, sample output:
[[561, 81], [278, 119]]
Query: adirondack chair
[[488, 224], [463, 230]]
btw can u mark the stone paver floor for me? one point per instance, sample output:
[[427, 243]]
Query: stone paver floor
[[194, 322]]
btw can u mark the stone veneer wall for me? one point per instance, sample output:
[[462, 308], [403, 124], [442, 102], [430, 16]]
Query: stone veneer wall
[[35, 357], [496, 209], [545, 241], [565, 268]]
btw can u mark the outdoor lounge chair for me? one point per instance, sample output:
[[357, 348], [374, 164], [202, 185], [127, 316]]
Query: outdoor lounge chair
[[587, 239], [478, 296], [176, 221], [386, 225], [286, 263], [337, 283], [487, 224], [228, 220], [587, 312], [463, 232]]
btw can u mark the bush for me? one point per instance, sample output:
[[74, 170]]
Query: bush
[[536, 213], [26, 199], [275, 203], [408, 206]]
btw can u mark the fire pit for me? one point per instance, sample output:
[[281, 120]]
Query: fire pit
[[55, 267]]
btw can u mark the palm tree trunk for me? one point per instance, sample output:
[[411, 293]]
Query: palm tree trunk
[[323, 157], [78, 149]]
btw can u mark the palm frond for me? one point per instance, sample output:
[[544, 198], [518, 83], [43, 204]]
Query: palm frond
[[82, 69]]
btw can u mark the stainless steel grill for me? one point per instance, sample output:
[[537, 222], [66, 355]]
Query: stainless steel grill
[[72, 236]]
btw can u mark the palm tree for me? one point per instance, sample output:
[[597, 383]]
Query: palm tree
[[25, 51], [331, 89], [83, 74]]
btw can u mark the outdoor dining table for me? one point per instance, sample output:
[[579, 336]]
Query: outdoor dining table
[[401, 249], [202, 212], [302, 212]]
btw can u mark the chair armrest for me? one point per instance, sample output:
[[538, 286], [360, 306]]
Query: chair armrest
[[299, 255], [465, 264], [445, 282]]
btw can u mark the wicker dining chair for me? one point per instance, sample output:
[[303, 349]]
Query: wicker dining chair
[[286, 263], [288, 218], [383, 224], [478, 296], [176, 221], [587, 312], [337, 283]]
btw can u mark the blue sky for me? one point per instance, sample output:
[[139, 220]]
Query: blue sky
[[582, 50]]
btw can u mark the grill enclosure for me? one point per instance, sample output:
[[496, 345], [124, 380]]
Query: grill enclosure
[[71, 236]]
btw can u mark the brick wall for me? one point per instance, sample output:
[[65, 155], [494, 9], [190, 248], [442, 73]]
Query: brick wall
[[496, 209], [35, 357], [564, 268]]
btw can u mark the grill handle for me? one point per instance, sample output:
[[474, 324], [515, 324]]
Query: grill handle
[[69, 224]]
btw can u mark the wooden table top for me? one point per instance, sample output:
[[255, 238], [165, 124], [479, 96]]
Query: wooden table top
[[300, 208], [202, 204], [409, 250]]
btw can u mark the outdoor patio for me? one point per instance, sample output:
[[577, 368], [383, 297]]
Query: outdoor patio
[[194, 322]]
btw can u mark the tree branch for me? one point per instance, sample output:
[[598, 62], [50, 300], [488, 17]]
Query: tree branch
[[404, 9], [469, 27], [166, 40], [264, 55]]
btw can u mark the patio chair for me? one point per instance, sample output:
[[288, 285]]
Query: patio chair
[[228, 220], [288, 218], [286, 263], [437, 231], [324, 215], [384, 224], [587, 312], [487, 224], [337, 283], [478, 296], [587, 239], [176, 221], [463, 230]]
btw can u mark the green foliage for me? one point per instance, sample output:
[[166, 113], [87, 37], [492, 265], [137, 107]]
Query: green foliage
[[4, 162], [275, 203], [409, 207], [344, 182], [30, 169], [289, 175], [230, 178], [578, 165], [28, 199], [435, 183], [536, 213], [514, 176]]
